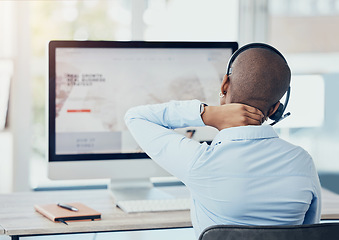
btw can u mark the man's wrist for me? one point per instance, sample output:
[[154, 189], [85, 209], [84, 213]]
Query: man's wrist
[[207, 116], [202, 108]]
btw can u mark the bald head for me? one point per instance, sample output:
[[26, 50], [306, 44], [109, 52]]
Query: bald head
[[259, 78]]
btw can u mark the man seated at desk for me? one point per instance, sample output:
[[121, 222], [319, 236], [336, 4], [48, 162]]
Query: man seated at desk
[[248, 175]]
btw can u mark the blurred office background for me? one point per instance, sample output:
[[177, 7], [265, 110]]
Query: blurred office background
[[306, 32]]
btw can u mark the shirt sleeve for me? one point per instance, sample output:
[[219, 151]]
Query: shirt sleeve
[[151, 126], [313, 215]]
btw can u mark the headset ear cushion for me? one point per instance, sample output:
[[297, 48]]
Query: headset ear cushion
[[278, 114]]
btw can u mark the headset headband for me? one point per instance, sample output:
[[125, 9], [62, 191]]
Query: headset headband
[[248, 46]]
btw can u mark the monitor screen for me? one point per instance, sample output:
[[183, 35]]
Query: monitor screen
[[93, 83]]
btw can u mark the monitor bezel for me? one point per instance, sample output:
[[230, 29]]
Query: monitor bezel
[[53, 45]]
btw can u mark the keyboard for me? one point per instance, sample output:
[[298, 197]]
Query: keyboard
[[154, 205]]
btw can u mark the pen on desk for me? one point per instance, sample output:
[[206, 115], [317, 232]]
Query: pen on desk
[[68, 207], [63, 221]]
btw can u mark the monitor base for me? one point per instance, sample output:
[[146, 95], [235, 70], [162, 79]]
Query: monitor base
[[144, 189]]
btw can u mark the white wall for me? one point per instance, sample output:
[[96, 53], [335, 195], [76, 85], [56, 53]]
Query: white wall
[[15, 142]]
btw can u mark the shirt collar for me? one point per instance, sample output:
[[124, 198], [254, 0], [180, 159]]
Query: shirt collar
[[246, 133]]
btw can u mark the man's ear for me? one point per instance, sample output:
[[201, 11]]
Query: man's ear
[[273, 109], [225, 84]]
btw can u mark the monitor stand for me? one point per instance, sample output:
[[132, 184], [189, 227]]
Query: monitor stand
[[144, 189]]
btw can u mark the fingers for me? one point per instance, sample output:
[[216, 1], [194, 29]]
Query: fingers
[[253, 110], [254, 115], [234, 115], [254, 121]]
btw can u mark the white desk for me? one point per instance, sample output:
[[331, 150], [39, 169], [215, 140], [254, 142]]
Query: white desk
[[18, 217], [330, 205]]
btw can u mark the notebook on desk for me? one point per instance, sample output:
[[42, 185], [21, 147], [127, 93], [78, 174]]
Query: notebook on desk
[[58, 214]]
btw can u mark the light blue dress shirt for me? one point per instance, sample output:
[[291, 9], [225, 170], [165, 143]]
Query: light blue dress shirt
[[247, 176]]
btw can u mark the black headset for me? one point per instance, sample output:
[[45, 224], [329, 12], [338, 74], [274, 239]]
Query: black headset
[[279, 114]]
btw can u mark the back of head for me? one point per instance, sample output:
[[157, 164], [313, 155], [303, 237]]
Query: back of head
[[260, 77]]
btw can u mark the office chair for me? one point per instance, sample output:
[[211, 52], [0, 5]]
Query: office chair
[[324, 231]]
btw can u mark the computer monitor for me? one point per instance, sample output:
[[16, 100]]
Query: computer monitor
[[93, 83]]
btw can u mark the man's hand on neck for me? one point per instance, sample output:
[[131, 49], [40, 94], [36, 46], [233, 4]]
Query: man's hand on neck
[[231, 115]]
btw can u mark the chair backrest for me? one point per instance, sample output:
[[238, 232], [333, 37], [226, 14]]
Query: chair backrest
[[322, 231]]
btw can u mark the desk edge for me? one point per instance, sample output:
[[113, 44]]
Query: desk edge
[[75, 230], [330, 216]]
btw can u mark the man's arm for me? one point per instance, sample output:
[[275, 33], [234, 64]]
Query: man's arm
[[151, 127], [313, 214]]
